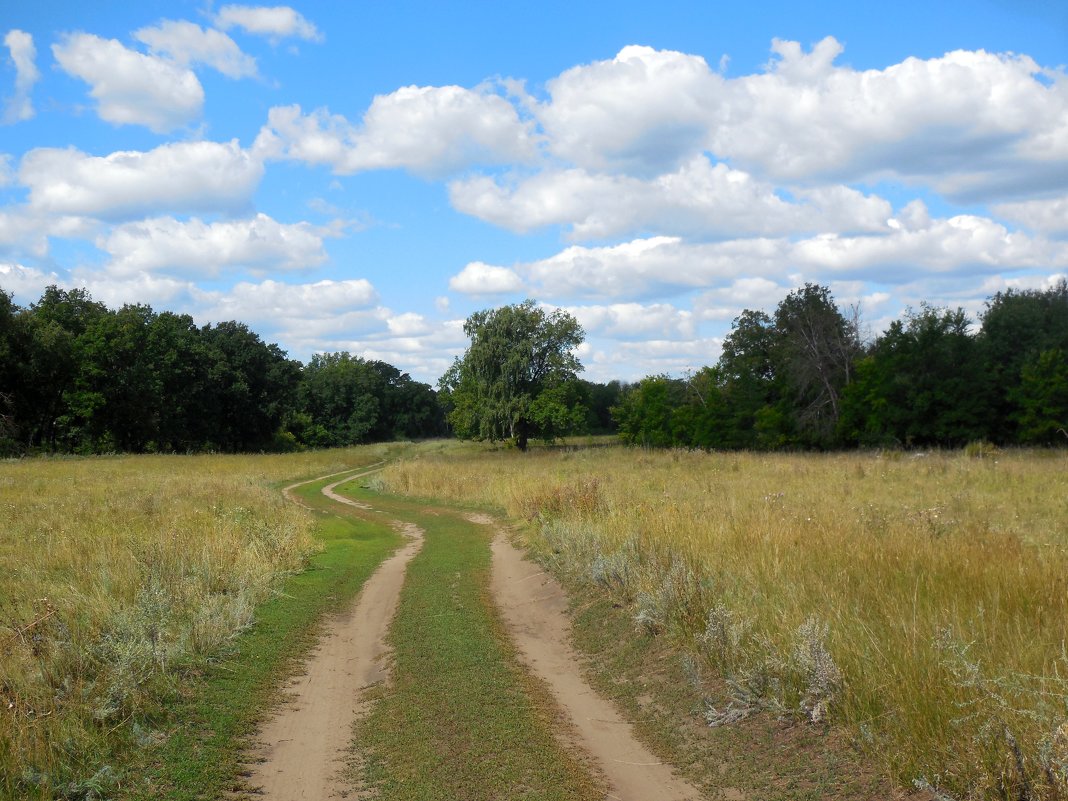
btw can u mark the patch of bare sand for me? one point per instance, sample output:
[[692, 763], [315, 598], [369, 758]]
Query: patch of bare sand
[[328, 491], [534, 608], [302, 747]]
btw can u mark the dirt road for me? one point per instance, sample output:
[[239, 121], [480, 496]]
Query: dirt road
[[304, 743]]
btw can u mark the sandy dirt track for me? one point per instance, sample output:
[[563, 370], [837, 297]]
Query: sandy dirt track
[[534, 608], [302, 746]]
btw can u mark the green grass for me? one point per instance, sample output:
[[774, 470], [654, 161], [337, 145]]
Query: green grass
[[201, 755], [460, 718]]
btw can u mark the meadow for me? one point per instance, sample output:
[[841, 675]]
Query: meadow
[[917, 601], [117, 576]]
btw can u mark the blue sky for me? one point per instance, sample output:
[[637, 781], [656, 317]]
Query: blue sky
[[362, 177]]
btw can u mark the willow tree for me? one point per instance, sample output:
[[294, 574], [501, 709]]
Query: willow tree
[[513, 381]]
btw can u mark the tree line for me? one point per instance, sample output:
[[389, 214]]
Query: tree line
[[804, 378], [78, 377]]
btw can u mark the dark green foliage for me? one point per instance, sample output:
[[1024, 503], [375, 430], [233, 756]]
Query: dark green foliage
[[924, 383], [1017, 327], [1041, 399], [511, 383], [346, 400], [78, 377], [802, 379]]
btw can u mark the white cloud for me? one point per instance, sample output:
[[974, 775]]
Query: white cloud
[[23, 54], [25, 231], [644, 111], [698, 199], [25, 283], [184, 176], [194, 247], [483, 279], [655, 266], [131, 88], [1048, 215], [970, 122], [186, 44], [289, 305], [429, 130], [274, 22], [628, 321]]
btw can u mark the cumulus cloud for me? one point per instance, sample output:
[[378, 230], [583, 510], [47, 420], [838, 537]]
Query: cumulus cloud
[[644, 111], [960, 121], [25, 283], [186, 44], [26, 231], [23, 54], [699, 199], [656, 266], [483, 279], [282, 303], [628, 321], [1048, 215], [180, 177], [429, 130], [274, 22], [131, 88], [973, 124], [195, 247]]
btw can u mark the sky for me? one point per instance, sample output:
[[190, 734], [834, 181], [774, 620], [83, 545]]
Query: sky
[[363, 176]]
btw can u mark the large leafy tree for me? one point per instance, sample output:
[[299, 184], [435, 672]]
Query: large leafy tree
[[1018, 327], [922, 384], [507, 385], [815, 351]]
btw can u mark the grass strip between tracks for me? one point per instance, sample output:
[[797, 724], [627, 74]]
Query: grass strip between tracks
[[216, 713], [460, 719]]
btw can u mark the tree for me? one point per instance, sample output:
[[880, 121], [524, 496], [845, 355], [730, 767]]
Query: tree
[[815, 352], [923, 384], [1018, 325], [1042, 398], [517, 354]]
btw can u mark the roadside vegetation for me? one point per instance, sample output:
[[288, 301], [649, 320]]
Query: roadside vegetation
[[918, 602], [123, 578]]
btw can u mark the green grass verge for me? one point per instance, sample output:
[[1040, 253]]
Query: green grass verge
[[460, 718], [216, 712]]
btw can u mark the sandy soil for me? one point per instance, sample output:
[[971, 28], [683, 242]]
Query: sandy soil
[[302, 747], [534, 608]]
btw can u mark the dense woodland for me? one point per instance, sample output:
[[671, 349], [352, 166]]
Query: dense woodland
[[803, 378], [78, 377]]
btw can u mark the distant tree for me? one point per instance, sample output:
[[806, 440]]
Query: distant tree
[[600, 398], [646, 412], [517, 355], [815, 349], [923, 384], [1017, 326], [1041, 399], [746, 373], [251, 388]]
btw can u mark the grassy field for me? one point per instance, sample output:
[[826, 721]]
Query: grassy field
[[920, 602], [119, 577]]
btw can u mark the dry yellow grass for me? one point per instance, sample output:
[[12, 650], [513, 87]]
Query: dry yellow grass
[[942, 582], [114, 573]]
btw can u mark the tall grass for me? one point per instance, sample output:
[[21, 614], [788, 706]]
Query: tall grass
[[116, 575], [921, 601]]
